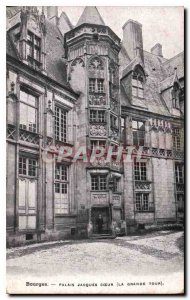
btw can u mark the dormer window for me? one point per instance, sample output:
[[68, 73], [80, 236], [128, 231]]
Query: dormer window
[[33, 49], [138, 82], [177, 95]]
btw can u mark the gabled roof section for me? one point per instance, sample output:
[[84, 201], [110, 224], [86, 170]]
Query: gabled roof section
[[90, 15], [131, 66], [169, 81], [64, 23]]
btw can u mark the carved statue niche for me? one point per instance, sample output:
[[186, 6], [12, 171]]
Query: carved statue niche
[[96, 67]]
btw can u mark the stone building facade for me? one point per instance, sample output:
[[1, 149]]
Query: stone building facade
[[94, 127]]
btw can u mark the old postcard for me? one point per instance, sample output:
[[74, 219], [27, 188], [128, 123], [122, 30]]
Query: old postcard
[[95, 150]]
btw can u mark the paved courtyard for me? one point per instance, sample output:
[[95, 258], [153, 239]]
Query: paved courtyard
[[156, 253]]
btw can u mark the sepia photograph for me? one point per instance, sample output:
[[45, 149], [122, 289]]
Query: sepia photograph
[[95, 150]]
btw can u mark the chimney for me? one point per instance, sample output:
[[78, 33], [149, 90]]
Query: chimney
[[52, 14], [132, 39], [157, 50]]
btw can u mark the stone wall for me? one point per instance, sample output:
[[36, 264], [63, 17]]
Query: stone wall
[[164, 197]]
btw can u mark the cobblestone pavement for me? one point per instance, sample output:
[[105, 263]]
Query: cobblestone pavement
[[155, 253]]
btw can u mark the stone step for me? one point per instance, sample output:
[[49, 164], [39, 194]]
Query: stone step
[[102, 236]]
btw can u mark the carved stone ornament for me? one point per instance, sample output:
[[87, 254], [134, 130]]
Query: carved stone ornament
[[114, 134], [114, 106], [97, 130], [98, 100], [78, 61], [96, 64]]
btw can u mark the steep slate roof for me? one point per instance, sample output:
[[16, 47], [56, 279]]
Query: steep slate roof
[[10, 47], [64, 15], [11, 11], [90, 15], [55, 63], [175, 62], [166, 83]]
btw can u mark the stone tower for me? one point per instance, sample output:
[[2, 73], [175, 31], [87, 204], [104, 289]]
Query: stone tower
[[91, 50]]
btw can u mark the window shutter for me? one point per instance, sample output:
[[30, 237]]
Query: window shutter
[[32, 195], [57, 203], [64, 203], [22, 222], [31, 222], [22, 194]]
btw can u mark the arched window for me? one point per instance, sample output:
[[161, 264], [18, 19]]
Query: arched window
[[137, 83]]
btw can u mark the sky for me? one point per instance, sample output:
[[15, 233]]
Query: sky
[[162, 24]]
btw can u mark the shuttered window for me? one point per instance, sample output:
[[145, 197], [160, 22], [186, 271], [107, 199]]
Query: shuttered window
[[61, 189], [27, 203]]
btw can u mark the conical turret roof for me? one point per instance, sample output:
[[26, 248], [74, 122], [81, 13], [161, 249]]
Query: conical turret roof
[[90, 15]]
